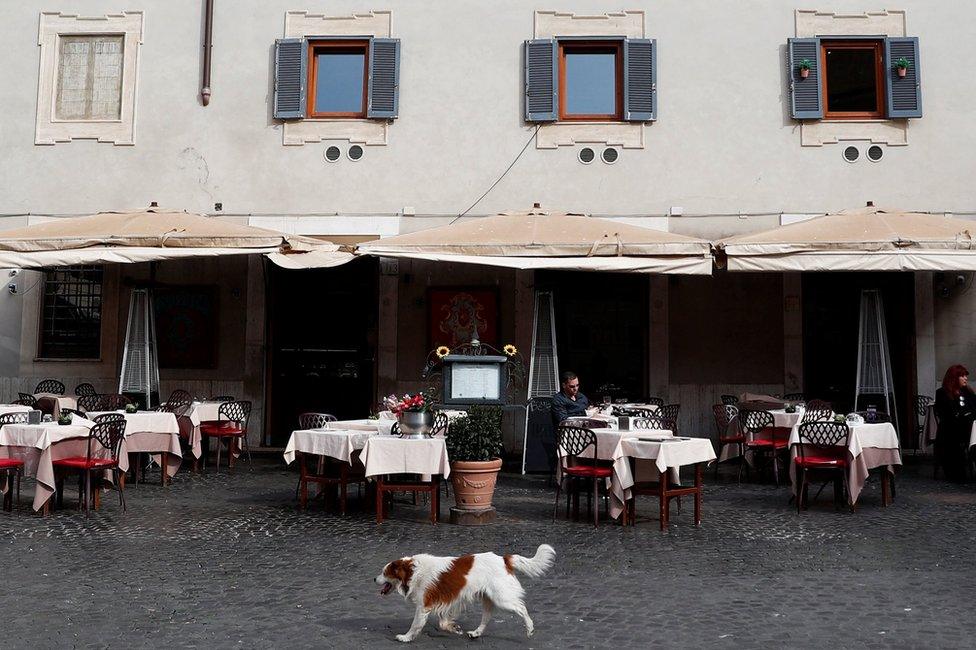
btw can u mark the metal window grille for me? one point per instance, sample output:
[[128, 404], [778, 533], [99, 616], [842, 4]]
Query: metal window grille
[[71, 323]]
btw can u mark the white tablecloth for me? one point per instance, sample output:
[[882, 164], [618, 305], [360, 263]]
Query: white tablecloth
[[39, 445], [668, 454], [151, 432], [395, 455], [863, 445], [63, 401], [201, 412], [13, 408]]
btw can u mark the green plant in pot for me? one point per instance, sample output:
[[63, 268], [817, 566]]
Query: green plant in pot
[[64, 419], [902, 64], [474, 445], [804, 66], [132, 407]]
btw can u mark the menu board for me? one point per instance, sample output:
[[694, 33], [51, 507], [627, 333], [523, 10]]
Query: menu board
[[474, 379]]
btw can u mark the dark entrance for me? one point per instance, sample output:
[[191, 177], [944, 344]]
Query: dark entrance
[[601, 330], [831, 313], [322, 333]]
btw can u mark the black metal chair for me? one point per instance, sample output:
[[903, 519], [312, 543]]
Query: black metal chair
[[315, 420], [89, 402], [26, 399], [52, 386], [12, 468], [822, 448], [724, 415], [178, 404], [794, 397], [224, 398], [573, 441], [231, 423], [921, 404], [655, 401], [109, 435], [762, 437], [650, 423], [440, 426], [730, 400], [670, 412], [819, 404], [85, 389], [817, 415], [109, 417]]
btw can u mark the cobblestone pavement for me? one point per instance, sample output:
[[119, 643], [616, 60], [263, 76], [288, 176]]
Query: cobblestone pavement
[[225, 560]]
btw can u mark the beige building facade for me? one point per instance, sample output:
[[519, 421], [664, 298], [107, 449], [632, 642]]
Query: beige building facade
[[722, 155]]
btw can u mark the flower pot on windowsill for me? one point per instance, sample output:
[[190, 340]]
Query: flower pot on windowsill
[[902, 71], [804, 73]]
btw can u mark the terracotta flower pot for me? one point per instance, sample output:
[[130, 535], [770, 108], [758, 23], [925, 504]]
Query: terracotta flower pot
[[804, 73], [474, 483], [902, 71]]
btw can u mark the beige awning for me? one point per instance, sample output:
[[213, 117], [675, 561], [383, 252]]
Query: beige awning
[[151, 235], [542, 240], [868, 239]]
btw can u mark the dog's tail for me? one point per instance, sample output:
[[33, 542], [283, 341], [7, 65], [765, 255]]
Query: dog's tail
[[536, 565]]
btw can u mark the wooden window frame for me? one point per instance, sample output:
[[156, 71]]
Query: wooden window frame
[[617, 47], [879, 79], [352, 45]]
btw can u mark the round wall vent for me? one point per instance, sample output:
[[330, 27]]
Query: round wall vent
[[610, 155], [586, 155], [851, 154], [332, 153], [875, 153], [355, 152]]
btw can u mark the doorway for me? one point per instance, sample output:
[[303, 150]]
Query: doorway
[[601, 330], [322, 328], [831, 317]]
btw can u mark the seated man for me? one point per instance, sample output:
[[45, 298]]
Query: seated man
[[569, 401]]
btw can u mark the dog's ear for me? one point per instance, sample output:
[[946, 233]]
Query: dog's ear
[[402, 570]]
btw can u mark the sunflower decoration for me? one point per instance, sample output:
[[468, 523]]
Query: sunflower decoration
[[510, 350], [443, 351]]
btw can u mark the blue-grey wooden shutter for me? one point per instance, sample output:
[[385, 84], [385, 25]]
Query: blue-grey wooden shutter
[[904, 93], [383, 100], [291, 64], [640, 79], [806, 99], [541, 80]]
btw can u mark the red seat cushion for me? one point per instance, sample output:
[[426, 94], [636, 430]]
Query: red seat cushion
[[588, 471], [766, 443], [732, 440], [10, 463], [224, 429], [821, 461], [80, 462]]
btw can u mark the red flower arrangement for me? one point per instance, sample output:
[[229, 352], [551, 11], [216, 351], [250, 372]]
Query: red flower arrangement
[[418, 403]]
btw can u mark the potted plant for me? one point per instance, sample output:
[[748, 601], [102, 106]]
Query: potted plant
[[901, 65], [413, 413], [474, 445], [132, 407], [804, 66], [64, 419]]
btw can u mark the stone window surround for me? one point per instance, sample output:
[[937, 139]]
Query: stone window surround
[[816, 133], [370, 132], [553, 24], [49, 130]]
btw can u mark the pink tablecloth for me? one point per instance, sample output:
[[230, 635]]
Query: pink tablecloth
[[152, 432], [868, 446], [394, 455], [39, 445]]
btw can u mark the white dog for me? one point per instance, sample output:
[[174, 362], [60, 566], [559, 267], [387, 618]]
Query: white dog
[[444, 585]]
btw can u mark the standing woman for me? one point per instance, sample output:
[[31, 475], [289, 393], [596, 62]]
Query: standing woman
[[955, 409]]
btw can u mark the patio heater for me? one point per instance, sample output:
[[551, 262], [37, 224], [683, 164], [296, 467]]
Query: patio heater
[[874, 376], [543, 384], [140, 361]]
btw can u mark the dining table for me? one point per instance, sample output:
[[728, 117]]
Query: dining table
[[39, 445], [60, 401], [869, 446], [154, 432]]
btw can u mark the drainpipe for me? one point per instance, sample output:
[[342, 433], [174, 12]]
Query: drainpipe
[[207, 47]]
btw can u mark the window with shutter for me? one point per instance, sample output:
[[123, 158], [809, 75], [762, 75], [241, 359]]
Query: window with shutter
[[902, 77], [805, 74], [290, 64], [640, 79], [541, 82], [384, 78]]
